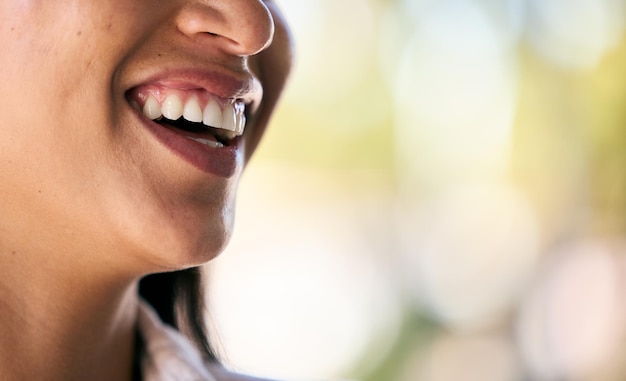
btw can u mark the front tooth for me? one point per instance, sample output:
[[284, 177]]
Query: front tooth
[[172, 107], [212, 115], [151, 108], [230, 118], [192, 111]]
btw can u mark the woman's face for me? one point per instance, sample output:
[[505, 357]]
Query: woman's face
[[90, 154]]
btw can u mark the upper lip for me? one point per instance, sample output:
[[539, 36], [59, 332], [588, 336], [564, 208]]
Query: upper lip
[[217, 81]]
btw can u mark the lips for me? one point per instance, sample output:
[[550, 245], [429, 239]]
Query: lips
[[199, 127]]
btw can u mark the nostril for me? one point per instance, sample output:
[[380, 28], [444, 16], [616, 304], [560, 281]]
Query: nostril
[[246, 26]]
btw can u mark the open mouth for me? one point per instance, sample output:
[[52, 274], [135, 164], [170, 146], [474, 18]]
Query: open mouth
[[196, 115], [211, 136]]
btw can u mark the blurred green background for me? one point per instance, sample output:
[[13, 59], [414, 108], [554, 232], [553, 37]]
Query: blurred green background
[[441, 196]]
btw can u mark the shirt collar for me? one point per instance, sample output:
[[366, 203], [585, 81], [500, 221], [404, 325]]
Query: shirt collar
[[168, 355]]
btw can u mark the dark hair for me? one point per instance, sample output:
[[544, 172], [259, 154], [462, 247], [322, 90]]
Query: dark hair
[[178, 298]]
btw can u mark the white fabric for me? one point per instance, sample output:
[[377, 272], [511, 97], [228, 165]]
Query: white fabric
[[169, 356]]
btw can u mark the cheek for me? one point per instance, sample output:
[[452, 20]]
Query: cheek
[[57, 59], [42, 62], [50, 116], [65, 39]]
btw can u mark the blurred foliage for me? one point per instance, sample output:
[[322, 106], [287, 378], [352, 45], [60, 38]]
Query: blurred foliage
[[606, 136], [569, 155], [570, 143], [568, 147], [417, 332], [322, 125], [323, 135]]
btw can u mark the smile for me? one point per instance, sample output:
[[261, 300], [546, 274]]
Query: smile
[[199, 127], [206, 119]]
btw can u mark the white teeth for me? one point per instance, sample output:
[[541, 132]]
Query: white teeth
[[241, 123], [210, 143], [240, 118], [230, 118], [212, 114], [172, 107], [192, 111], [151, 108]]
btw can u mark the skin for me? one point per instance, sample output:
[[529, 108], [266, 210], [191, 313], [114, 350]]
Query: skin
[[90, 202]]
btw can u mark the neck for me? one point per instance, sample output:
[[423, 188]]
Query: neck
[[61, 323]]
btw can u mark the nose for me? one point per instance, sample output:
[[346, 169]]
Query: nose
[[239, 27]]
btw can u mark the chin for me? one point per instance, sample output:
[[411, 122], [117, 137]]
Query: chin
[[181, 238], [185, 249]]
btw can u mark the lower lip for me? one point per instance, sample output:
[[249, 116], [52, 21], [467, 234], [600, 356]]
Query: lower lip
[[223, 162]]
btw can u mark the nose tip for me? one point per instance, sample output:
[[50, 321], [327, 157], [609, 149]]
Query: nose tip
[[241, 27]]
